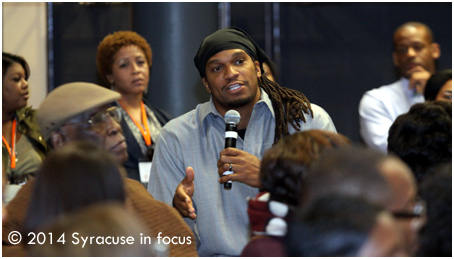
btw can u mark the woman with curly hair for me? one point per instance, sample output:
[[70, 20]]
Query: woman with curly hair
[[422, 137], [281, 172], [124, 59]]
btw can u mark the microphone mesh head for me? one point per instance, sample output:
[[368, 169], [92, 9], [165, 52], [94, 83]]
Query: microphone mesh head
[[232, 117]]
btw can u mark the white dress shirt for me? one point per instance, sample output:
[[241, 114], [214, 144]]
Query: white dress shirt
[[379, 108]]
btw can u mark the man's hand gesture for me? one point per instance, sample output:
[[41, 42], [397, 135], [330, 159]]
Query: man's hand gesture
[[182, 200]]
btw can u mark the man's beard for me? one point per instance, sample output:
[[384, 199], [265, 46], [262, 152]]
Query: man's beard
[[242, 101]]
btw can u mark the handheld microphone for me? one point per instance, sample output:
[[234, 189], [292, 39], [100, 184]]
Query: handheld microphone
[[231, 118]]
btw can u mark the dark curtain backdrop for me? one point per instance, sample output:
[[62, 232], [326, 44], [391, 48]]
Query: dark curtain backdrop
[[332, 52]]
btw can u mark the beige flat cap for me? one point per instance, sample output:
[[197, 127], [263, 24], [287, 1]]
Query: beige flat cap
[[69, 100]]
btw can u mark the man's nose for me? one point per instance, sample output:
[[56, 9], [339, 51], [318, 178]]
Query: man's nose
[[230, 72], [411, 52]]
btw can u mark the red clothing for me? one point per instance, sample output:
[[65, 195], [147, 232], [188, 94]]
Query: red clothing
[[267, 228], [264, 247]]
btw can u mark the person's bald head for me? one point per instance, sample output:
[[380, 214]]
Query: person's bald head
[[350, 171], [401, 180], [428, 35], [405, 205], [414, 49]]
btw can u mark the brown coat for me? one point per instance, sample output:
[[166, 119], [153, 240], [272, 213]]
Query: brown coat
[[156, 215]]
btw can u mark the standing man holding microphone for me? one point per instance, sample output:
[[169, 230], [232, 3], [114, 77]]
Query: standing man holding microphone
[[190, 157]]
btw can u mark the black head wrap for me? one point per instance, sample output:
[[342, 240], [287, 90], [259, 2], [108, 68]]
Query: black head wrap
[[224, 39]]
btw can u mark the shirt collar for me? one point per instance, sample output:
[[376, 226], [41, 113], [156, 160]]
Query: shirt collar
[[209, 108]]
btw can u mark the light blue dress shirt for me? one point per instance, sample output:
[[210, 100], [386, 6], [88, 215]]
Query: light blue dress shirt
[[379, 108], [195, 139]]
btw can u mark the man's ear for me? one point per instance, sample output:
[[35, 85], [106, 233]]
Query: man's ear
[[435, 49], [258, 69], [207, 86], [57, 139], [395, 60]]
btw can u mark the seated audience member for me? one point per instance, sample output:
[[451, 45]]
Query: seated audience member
[[69, 114], [270, 70], [422, 137], [119, 233], [439, 86], [337, 225], [190, 149], [436, 190], [376, 177], [4, 180], [281, 171], [23, 146], [79, 174], [415, 53], [124, 60], [354, 171]]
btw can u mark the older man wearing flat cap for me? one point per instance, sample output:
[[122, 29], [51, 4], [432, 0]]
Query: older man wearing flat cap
[[79, 111], [84, 111], [190, 158]]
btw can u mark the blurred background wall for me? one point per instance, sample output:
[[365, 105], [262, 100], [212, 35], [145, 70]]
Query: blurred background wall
[[332, 52], [24, 32]]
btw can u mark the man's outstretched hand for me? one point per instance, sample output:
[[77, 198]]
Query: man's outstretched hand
[[182, 200]]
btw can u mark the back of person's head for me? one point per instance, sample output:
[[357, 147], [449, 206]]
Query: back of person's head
[[446, 106], [116, 232], [422, 137], [436, 190], [435, 83], [74, 176], [351, 171], [284, 165], [337, 225], [8, 59]]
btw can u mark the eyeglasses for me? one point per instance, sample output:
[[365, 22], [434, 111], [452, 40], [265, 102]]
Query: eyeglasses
[[419, 210], [97, 122]]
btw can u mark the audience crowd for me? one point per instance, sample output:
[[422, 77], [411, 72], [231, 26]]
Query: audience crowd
[[98, 171]]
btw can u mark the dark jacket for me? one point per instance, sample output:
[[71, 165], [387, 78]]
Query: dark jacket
[[134, 152], [28, 126]]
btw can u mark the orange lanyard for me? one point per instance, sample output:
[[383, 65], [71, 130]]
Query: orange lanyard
[[146, 132], [12, 150]]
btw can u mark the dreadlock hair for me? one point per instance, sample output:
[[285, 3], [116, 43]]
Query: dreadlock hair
[[288, 105]]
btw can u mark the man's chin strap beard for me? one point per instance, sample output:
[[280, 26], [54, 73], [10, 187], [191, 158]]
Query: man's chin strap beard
[[240, 102]]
